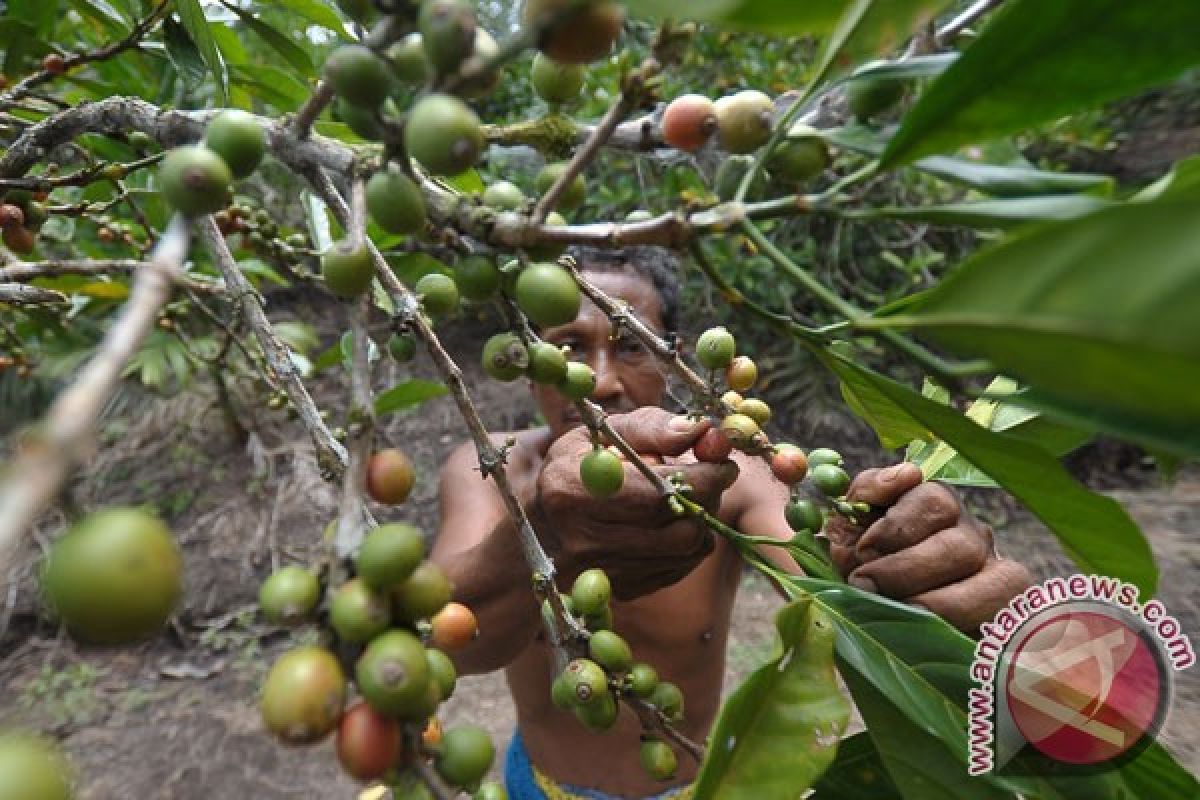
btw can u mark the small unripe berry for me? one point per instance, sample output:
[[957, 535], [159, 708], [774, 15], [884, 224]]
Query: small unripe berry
[[715, 348], [832, 481]]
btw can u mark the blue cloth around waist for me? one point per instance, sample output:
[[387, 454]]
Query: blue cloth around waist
[[521, 784]]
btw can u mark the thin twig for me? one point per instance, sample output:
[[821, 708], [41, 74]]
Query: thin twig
[[28, 270], [331, 456], [361, 434], [67, 431], [132, 40], [20, 294]]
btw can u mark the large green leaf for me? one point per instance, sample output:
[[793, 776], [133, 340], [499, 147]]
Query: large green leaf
[[1037, 61], [994, 179], [183, 54], [1002, 213], [856, 774], [193, 19], [1097, 315], [1094, 530], [279, 42], [779, 730], [892, 424], [920, 765]]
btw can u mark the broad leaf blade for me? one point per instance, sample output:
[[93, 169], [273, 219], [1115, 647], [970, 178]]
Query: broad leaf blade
[[1035, 478], [779, 730], [1097, 313], [291, 52], [1037, 61], [921, 766], [1003, 213], [994, 179], [407, 395], [857, 772], [183, 53], [192, 16]]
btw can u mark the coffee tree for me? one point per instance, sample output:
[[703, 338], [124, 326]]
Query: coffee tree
[[144, 147]]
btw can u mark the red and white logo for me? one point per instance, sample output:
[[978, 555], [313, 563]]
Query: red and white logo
[[1084, 686]]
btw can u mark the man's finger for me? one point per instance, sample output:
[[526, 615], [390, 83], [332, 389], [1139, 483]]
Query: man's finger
[[968, 604], [923, 511], [883, 486], [655, 430], [708, 481], [947, 556]]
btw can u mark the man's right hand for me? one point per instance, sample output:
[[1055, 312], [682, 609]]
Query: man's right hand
[[633, 535]]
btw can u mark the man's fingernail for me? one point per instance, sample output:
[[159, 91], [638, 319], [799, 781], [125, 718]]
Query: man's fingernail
[[890, 474], [683, 424], [862, 582]]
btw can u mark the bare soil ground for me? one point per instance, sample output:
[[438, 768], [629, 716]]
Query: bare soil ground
[[177, 717]]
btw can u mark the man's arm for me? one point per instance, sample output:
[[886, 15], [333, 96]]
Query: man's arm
[[478, 548]]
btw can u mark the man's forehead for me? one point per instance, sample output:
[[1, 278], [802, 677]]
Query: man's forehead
[[635, 289]]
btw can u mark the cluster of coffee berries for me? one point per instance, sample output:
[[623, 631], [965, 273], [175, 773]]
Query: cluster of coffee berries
[[827, 475], [590, 687], [741, 124], [392, 625], [22, 215], [196, 179]]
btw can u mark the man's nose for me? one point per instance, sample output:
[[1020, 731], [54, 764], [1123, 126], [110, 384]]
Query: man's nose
[[609, 389]]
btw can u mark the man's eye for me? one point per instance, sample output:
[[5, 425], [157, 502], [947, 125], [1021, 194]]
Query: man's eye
[[629, 344]]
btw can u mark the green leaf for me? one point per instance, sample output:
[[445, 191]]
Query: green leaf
[[893, 425], [1037, 61], [1003, 213], [779, 730], [817, 16], [409, 394], [920, 765], [184, 55], [469, 182], [857, 773], [299, 336], [39, 14], [271, 84], [994, 179], [1035, 478], [316, 12], [99, 12], [1044, 308], [291, 52], [886, 25], [192, 16], [906, 69]]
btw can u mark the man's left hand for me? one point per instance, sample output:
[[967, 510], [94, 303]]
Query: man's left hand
[[920, 546]]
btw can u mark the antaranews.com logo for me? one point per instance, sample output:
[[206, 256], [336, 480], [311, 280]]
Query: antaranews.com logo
[[1076, 669]]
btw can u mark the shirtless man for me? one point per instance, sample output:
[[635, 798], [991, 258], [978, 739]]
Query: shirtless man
[[673, 582]]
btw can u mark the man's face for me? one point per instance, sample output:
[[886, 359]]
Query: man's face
[[627, 375]]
